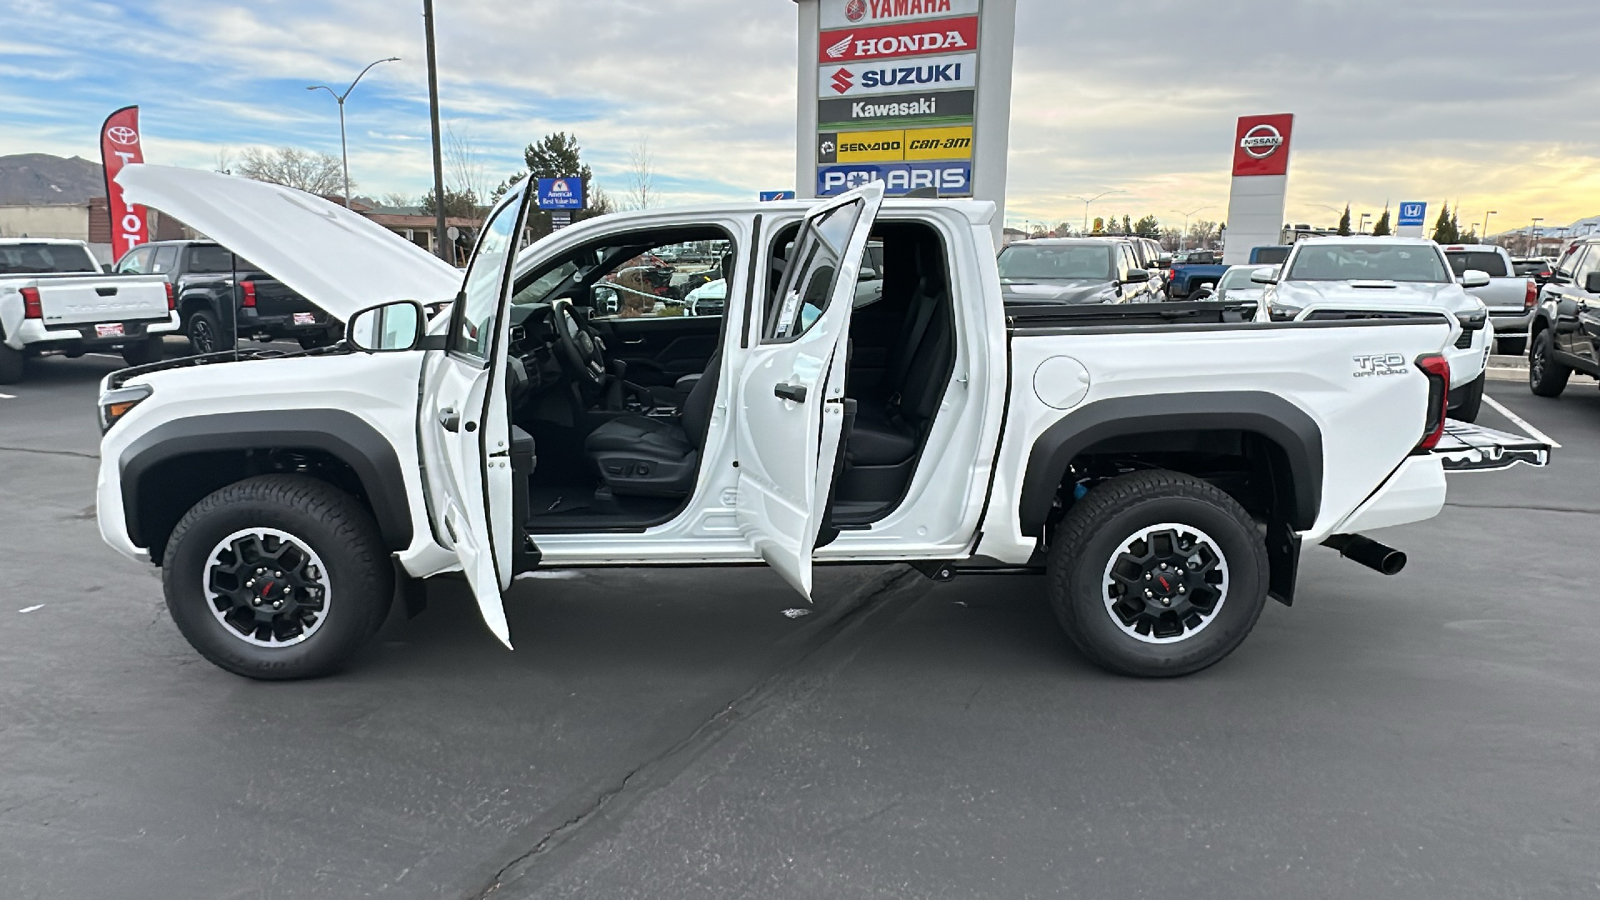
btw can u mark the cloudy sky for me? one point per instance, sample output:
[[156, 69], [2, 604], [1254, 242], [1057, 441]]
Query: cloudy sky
[[1491, 105]]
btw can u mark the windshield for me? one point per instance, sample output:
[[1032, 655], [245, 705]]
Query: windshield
[[1237, 277], [1488, 262], [45, 259], [1418, 263], [1271, 256], [1040, 262]]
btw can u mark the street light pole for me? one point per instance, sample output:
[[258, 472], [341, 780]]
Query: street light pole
[[1362, 227], [1089, 200], [1485, 235], [1183, 236], [1533, 236], [344, 151]]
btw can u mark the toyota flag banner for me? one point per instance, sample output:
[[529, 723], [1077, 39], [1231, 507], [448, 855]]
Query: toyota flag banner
[[119, 146]]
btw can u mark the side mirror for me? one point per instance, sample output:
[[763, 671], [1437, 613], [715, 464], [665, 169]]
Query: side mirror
[[1591, 282], [1264, 275], [1136, 275], [108, 268], [390, 328], [1474, 278]]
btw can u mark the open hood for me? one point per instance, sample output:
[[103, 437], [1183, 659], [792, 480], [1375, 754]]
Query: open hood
[[329, 255]]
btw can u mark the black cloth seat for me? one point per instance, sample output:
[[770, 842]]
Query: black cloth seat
[[888, 429], [655, 456]]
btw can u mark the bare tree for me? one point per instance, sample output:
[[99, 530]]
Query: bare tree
[[314, 173], [224, 160], [1202, 232], [464, 168], [641, 177], [395, 198]]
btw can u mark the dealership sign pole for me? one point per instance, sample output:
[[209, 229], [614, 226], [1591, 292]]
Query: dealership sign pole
[[915, 94], [1260, 183], [119, 146]]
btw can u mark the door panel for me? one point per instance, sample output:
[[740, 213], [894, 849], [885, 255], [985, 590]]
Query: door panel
[[790, 396]]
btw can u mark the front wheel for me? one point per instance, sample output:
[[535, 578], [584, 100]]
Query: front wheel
[[1471, 400], [277, 577], [1157, 574], [143, 353], [1546, 377]]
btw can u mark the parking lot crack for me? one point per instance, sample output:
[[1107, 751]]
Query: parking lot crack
[[50, 452], [1569, 510]]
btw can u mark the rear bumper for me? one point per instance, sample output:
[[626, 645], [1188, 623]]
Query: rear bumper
[[1512, 324], [32, 332], [1414, 493], [284, 325]]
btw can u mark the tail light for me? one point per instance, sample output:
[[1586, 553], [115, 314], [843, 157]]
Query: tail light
[[172, 299], [1531, 298], [31, 307], [1437, 369], [249, 290]]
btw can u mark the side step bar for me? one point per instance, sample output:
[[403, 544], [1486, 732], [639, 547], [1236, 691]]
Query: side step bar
[[1368, 552]]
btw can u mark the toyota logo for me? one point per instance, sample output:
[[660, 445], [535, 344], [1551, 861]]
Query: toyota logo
[[1261, 141], [122, 134], [855, 9]]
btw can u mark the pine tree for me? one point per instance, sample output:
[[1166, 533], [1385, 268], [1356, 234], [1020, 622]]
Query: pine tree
[[1382, 228], [1442, 233], [1344, 222], [1149, 226]]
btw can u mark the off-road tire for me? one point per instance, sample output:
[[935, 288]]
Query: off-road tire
[[209, 338], [332, 523], [1471, 401], [12, 363], [144, 352], [1546, 377], [1095, 528]]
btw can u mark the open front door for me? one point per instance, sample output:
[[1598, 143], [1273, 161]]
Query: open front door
[[465, 424], [790, 408]]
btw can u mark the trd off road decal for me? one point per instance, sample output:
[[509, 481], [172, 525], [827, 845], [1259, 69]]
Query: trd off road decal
[[1380, 364]]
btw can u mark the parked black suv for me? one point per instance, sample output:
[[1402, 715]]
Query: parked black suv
[[208, 279], [1566, 324]]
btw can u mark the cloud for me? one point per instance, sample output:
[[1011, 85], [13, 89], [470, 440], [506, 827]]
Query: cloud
[[1395, 99]]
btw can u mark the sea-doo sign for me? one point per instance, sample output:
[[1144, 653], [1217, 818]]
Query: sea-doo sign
[[1261, 145], [895, 41], [934, 73], [853, 13]]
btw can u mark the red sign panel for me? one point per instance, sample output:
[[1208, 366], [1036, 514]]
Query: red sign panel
[[1261, 145], [894, 41], [119, 146]]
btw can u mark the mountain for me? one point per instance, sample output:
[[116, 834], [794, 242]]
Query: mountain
[[27, 178]]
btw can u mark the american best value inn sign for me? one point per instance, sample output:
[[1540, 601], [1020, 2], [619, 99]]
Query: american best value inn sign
[[896, 95]]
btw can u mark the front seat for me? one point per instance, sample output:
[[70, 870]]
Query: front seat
[[654, 456]]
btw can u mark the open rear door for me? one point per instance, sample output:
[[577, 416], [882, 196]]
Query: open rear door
[[790, 404]]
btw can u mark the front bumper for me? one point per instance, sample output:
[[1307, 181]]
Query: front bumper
[[32, 332]]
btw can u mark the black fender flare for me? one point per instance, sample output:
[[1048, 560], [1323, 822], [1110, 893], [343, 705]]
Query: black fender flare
[[1269, 415], [336, 432]]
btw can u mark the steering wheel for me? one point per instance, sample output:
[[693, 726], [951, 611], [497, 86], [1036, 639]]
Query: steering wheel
[[582, 352]]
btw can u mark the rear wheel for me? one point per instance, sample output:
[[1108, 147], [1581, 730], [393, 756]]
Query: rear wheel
[[1471, 400], [277, 577], [11, 365], [1546, 377], [205, 333], [1157, 574], [143, 353]]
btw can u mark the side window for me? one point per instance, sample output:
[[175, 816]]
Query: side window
[[472, 331], [685, 280], [1589, 263], [813, 270], [1564, 268], [166, 257], [136, 262]]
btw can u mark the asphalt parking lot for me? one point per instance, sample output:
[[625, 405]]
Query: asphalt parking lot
[[663, 733]]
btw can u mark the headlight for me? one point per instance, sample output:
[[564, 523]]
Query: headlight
[[1283, 312], [117, 403]]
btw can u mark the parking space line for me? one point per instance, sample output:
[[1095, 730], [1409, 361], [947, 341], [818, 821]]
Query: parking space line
[[8, 396], [1522, 423]]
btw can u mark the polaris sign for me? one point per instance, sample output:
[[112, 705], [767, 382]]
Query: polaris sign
[[933, 179]]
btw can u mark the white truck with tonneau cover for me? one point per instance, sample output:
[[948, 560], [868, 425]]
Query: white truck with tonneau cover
[[1511, 297], [54, 298], [1162, 463]]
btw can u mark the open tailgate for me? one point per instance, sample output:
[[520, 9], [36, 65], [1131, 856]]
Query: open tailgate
[[1474, 448]]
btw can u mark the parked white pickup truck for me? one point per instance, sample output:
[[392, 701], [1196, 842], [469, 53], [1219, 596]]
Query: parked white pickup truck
[[1341, 278], [54, 298], [1162, 462], [1511, 298]]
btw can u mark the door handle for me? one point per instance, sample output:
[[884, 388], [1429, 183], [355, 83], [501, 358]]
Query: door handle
[[634, 342], [449, 420], [786, 391]]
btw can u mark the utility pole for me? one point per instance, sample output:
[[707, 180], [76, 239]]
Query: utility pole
[[440, 239]]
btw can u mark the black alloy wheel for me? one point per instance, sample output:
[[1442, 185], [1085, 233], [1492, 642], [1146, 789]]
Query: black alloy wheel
[[1546, 377]]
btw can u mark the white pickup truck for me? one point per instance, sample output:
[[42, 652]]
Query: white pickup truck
[[1511, 298], [54, 298], [1162, 463], [1344, 278]]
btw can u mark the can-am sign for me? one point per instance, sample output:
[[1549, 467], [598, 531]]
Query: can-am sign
[[894, 41], [850, 13]]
